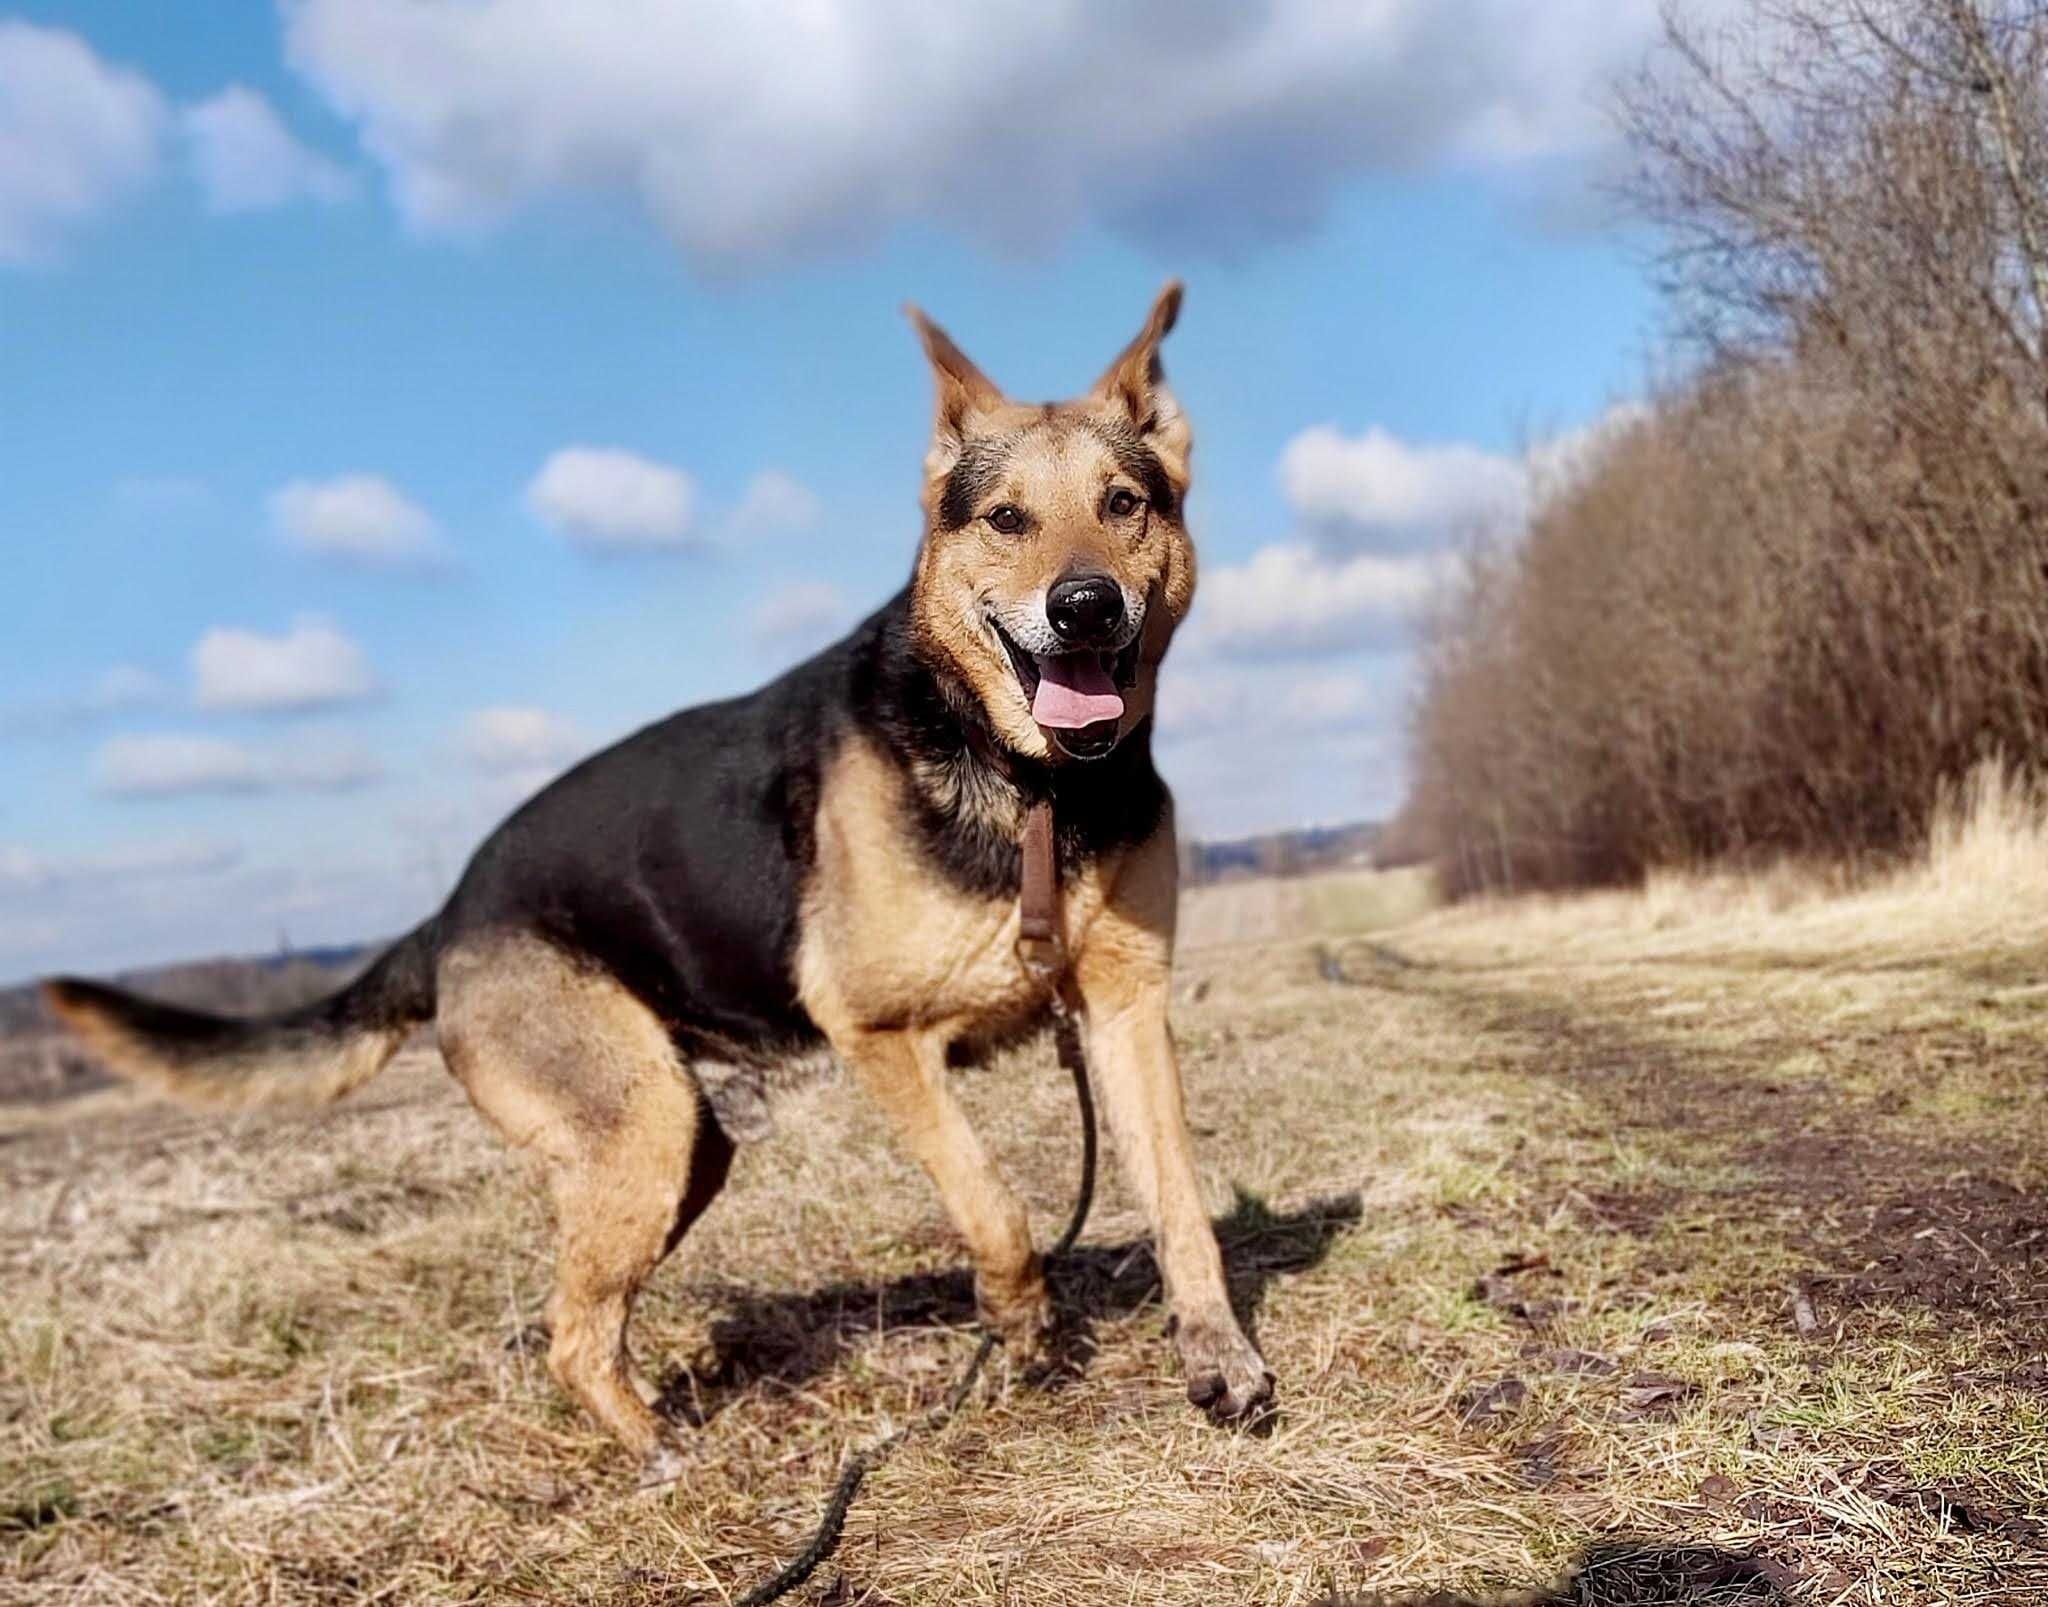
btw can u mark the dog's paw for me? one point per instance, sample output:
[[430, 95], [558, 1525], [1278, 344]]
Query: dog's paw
[[1226, 1377], [1021, 1316]]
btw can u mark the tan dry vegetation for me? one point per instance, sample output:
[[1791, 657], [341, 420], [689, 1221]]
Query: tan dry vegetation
[[1800, 591], [1673, 1234]]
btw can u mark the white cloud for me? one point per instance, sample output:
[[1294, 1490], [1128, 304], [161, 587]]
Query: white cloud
[[1395, 494], [1375, 490], [313, 665], [157, 901], [802, 614], [605, 499], [161, 766], [512, 738], [1330, 702], [360, 518], [519, 750], [1201, 700], [774, 504], [77, 136], [1263, 744], [1283, 702], [1243, 780], [1290, 600], [20, 936], [24, 870], [754, 128], [171, 765], [1258, 746], [118, 689], [246, 159]]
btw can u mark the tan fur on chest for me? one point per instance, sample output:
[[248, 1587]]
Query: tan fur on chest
[[887, 941]]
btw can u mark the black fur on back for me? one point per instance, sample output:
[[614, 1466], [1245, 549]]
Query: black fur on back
[[676, 858]]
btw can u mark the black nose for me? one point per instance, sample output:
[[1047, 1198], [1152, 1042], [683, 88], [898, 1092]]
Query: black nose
[[1085, 609]]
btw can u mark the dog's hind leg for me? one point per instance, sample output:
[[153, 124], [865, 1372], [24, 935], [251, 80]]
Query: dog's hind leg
[[565, 1062], [620, 1212]]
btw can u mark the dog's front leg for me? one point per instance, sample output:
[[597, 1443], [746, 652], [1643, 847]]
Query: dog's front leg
[[905, 1073], [1123, 977]]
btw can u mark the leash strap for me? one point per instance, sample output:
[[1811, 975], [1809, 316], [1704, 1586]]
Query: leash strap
[[1041, 949]]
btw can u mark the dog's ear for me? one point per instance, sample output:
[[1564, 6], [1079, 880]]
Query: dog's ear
[[965, 392], [1136, 382]]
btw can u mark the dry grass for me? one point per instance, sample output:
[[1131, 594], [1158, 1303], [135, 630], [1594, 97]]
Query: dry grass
[[1264, 910], [1980, 885], [1586, 1232]]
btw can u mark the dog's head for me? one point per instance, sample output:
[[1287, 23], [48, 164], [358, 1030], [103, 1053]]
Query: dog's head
[[1056, 562]]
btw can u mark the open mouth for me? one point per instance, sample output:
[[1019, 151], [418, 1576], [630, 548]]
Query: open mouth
[[1076, 698]]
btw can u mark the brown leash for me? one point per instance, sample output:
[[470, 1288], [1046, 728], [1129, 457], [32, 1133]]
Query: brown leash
[[1042, 951], [1041, 946]]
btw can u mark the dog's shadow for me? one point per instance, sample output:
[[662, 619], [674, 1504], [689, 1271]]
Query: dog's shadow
[[1622, 1571], [785, 1340]]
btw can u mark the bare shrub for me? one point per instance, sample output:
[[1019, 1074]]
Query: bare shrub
[[1809, 590]]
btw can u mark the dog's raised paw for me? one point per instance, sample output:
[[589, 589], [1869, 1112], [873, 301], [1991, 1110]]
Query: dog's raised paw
[[1226, 1377]]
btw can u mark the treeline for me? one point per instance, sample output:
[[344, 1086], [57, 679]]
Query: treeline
[[1807, 589], [1279, 853]]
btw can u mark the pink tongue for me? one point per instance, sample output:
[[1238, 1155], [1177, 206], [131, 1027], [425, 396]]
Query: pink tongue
[[1075, 690]]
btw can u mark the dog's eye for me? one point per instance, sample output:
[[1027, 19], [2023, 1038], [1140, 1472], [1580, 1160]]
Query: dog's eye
[[1122, 503], [1005, 518]]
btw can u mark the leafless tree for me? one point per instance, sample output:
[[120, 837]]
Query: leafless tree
[[1812, 585]]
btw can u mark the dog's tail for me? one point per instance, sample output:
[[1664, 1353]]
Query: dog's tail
[[316, 1053]]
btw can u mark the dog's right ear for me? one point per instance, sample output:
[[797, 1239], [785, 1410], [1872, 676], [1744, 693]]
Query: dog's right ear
[[964, 392], [1136, 383]]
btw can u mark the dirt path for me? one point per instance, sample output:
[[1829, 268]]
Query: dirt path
[[1903, 1165], [1856, 1152]]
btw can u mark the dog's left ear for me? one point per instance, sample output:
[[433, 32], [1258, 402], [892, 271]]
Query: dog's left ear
[[1137, 383]]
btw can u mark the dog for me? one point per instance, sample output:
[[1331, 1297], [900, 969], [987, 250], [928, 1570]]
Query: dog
[[829, 863]]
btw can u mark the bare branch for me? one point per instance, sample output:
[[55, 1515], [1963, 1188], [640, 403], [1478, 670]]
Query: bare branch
[[1997, 84]]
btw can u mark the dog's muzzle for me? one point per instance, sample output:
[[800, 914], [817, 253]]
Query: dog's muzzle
[[1076, 693]]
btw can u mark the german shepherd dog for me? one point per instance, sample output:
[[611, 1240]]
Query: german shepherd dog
[[831, 863]]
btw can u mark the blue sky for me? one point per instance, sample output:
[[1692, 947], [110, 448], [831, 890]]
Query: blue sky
[[399, 399]]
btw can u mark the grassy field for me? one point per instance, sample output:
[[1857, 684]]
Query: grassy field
[[1680, 1245]]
